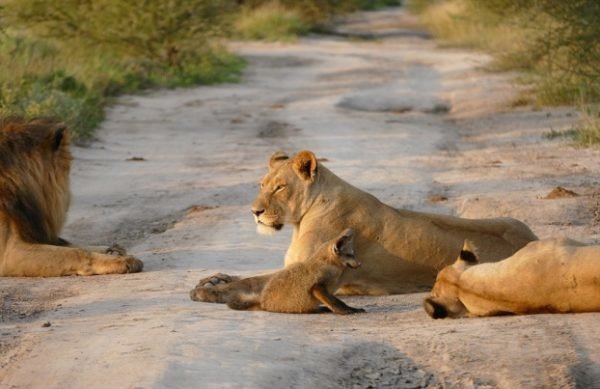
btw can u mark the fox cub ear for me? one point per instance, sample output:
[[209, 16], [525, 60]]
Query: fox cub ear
[[344, 243]]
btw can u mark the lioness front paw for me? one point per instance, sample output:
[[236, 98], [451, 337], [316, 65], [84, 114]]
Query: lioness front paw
[[207, 295], [133, 264], [216, 279]]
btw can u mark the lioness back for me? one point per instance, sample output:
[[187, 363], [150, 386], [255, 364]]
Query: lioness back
[[547, 276]]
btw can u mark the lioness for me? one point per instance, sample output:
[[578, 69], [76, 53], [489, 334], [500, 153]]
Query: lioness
[[299, 288], [547, 276], [401, 250], [35, 163]]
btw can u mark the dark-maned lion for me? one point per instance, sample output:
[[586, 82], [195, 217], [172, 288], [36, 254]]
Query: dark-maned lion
[[35, 162], [401, 251], [547, 276]]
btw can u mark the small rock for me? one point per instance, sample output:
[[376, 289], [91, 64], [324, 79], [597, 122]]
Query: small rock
[[559, 193], [373, 376], [46, 324]]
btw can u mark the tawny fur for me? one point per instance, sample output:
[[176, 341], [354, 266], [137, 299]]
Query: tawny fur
[[547, 276], [35, 164], [299, 288], [401, 250]]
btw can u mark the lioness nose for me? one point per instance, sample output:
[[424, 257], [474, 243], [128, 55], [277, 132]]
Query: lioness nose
[[257, 212]]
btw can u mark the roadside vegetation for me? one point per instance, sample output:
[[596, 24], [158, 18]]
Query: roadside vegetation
[[69, 58], [286, 20], [553, 43]]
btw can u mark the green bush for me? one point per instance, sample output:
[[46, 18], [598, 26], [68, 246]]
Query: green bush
[[271, 22], [557, 41], [66, 58], [376, 4]]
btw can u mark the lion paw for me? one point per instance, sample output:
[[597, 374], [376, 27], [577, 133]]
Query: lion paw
[[216, 279], [116, 249], [133, 264], [208, 295]]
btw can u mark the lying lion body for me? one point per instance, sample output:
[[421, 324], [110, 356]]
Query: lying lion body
[[401, 250], [547, 276], [34, 198]]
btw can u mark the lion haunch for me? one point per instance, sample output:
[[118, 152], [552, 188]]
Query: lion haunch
[[35, 163], [546, 276], [299, 288]]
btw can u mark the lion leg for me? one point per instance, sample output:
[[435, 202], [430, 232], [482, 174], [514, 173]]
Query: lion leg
[[38, 260], [336, 305], [114, 249], [243, 301], [217, 279], [220, 287]]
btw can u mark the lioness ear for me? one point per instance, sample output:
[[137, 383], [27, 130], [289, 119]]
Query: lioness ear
[[305, 165], [467, 257], [434, 309], [59, 135], [344, 244], [276, 159]]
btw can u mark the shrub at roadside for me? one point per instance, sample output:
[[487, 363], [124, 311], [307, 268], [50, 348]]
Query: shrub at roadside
[[270, 22], [65, 58], [555, 42], [285, 20]]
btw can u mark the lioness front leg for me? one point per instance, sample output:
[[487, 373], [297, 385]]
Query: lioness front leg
[[219, 287], [38, 260], [333, 303]]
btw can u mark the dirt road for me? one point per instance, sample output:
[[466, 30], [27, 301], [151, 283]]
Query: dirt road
[[172, 176]]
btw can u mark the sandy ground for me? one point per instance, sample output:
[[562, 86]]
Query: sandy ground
[[419, 127]]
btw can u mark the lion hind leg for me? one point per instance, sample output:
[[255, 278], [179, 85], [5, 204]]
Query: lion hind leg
[[40, 260]]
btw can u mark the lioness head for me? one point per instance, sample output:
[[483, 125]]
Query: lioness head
[[285, 191], [444, 301], [341, 250]]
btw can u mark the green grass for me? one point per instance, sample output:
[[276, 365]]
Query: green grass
[[586, 132], [553, 44], [73, 70], [41, 78], [270, 22], [371, 5]]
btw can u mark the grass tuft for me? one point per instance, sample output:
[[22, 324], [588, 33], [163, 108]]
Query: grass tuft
[[270, 22]]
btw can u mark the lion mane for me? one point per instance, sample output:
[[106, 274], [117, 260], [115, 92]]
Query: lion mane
[[35, 163]]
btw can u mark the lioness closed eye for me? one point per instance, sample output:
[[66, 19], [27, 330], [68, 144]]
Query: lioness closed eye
[[547, 276], [35, 162]]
